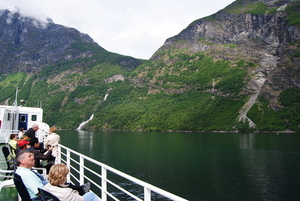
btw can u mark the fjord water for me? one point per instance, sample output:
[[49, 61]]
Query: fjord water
[[201, 166]]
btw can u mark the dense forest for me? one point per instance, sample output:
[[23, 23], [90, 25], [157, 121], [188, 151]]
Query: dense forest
[[153, 106]]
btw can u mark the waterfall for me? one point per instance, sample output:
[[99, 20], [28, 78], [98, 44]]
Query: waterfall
[[85, 122], [92, 116], [105, 97]]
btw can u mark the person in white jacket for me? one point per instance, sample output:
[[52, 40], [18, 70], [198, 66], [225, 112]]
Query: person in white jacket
[[52, 140], [57, 177]]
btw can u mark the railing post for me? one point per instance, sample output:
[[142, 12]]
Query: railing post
[[68, 161], [59, 154], [147, 194], [103, 183], [81, 170]]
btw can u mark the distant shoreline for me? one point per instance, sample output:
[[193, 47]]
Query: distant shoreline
[[170, 131]]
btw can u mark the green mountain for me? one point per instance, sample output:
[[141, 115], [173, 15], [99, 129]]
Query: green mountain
[[237, 69]]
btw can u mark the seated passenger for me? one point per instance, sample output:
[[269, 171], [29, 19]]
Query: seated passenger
[[25, 161], [13, 143], [32, 180], [33, 147], [22, 145], [57, 177]]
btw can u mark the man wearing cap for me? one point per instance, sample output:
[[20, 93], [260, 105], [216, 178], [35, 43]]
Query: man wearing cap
[[22, 144]]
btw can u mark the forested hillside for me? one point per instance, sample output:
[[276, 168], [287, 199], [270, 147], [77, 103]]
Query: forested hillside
[[238, 69]]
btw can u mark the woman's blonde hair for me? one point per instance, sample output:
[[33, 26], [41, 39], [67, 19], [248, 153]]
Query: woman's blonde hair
[[53, 129], [58, 174]]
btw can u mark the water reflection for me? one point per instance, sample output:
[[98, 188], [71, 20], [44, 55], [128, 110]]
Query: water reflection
[[85, 139], [246, 141], [201, 166]]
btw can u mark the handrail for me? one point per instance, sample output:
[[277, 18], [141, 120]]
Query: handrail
[[80, 165], [9, 131]]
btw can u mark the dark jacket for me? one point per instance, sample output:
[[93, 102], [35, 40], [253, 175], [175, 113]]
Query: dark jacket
[[39, 155], [31, 134]]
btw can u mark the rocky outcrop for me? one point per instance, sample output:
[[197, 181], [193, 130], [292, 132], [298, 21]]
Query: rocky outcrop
[[28, 44], [262, 39], [115, 78]]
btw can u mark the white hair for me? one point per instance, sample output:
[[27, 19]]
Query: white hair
[[34, 125]]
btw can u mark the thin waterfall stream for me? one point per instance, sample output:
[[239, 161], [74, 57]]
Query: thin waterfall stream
[[91, 117], [85, 122]]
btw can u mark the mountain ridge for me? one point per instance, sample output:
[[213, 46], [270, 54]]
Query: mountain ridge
[[229, 71], [209, 34]]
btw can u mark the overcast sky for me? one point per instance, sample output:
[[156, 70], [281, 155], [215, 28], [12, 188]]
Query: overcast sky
[[129, 27]]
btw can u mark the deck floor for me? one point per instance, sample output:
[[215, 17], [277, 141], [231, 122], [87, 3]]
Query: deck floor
[[6, 194]]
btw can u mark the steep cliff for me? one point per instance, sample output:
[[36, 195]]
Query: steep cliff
[[29, 45], [264, 33]]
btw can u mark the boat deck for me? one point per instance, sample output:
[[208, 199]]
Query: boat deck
[[107, 182], [6, 194]]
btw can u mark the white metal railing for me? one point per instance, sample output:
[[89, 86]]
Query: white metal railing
[[10, 131], [84, 168]]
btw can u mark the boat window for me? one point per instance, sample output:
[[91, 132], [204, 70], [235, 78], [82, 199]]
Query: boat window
[[8, 116], [23, 118], [33, 117]]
